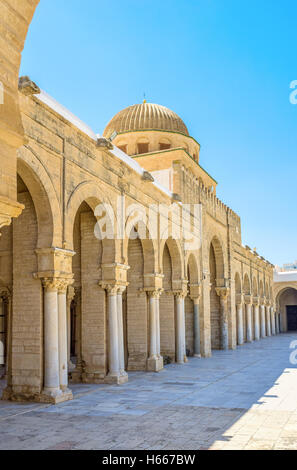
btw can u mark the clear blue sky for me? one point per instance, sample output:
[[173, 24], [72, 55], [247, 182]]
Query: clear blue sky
[[223, 65]]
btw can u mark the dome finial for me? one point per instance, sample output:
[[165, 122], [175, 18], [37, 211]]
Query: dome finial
[[144, 98]]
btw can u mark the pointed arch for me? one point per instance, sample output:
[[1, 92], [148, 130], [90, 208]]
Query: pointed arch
[[176, 256], [217, 247], [90, 193], [45, 199]]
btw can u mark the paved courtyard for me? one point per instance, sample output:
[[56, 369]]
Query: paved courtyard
[[243, 399]]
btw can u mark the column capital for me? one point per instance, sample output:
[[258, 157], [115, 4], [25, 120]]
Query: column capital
[[262, 301], [154, 293], [180, 294], [256, 300], [248, 299], [112, 288], [223, 292], [56, 284]]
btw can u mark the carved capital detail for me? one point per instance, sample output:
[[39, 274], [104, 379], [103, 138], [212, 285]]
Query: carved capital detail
[[56, 284], [180, 294], [223, 292], [155, 294]]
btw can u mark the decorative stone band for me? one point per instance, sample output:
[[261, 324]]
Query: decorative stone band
[[262, 300]]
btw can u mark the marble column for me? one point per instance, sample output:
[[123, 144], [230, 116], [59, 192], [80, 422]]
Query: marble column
[[70, 297], [239, 319], [248, 307], [113, 335], [62, 335], [155, 361], [256, 319], [2, 335], [120, 292], [223, 293], [277, 323], [51, 339], [197, 347], [272, 314], [263, 323], [180, 327], [268, 320]]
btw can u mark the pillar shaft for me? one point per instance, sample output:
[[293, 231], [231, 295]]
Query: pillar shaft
[[268, 321], [180, 328], [223, 293], [113, 359], [272, 315], [63, 342], [51, 340], [263, 325], [249, 334], [121, 332], [197, 348], [2, 334], [277, 323], [153, 327], [158, 327], [256, 322], [240, 339], [155, 360]]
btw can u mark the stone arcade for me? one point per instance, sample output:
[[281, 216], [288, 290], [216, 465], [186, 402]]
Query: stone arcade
[[92, 310], [75, 307]]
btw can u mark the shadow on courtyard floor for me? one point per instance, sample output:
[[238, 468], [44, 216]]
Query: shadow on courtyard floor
[[235, 399]]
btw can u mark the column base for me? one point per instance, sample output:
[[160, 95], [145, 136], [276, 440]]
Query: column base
[[155, 364], [55, 396], [198, 356], [46, 396], [116, 379], [186, 359]]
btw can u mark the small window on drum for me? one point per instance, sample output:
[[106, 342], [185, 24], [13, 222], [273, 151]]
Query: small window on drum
[[164, 146], [142, 148], [123, 148]]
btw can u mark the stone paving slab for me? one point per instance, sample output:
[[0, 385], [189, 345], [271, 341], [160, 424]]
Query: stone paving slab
[[243, 399]]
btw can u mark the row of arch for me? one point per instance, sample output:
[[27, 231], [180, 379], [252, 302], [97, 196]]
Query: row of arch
[[155, 270], [256, 288]]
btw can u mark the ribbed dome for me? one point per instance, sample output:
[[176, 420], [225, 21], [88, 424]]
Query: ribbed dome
[[145, 116]]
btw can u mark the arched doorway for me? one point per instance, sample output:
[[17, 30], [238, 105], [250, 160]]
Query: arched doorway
[[192, 310], [287, 302], [87, 316], [18, 244], [167, 318]]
